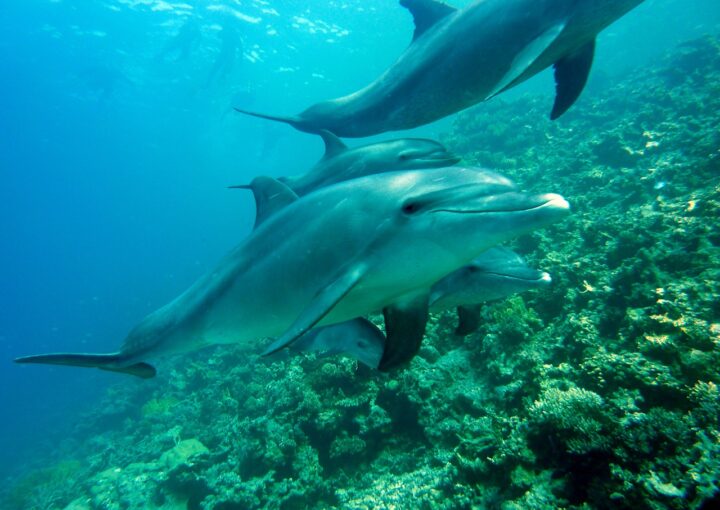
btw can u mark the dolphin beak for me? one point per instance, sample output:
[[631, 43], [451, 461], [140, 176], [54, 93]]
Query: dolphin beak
[[555, 201], [443, 158], [508, 202]]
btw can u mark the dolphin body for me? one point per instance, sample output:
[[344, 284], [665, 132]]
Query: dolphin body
[[341, 163], [461, 57], [341, 252], [496, 274]]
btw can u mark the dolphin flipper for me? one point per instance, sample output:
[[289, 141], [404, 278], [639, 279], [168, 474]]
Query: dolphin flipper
[[525, 58], [571, 75], [109, 362], [468, 319], [404, 329], [270, 195], [318, 308]]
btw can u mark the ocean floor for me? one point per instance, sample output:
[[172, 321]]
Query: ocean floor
[[599, 392]]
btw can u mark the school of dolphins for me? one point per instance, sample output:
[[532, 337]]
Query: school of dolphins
[[397, 227]]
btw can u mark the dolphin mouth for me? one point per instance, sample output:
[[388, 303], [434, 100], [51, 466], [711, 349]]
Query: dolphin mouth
[[547, 201], [542, 278], [439, 159]]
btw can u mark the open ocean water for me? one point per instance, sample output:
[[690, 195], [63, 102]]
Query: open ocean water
[[117, 141]]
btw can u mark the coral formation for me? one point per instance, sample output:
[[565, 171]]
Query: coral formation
[[600, 392]]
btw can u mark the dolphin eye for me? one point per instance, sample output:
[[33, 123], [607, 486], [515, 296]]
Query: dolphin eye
[[411, 208]]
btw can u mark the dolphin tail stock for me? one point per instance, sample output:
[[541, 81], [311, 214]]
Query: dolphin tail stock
[[294, 121], [110, 362]]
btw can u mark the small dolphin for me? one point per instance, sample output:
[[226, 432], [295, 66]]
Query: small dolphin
[[358, 338], [374, 243], [497, 273], [341, 163], [461, 57]]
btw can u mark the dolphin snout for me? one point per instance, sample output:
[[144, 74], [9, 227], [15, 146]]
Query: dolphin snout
[[555, 201]]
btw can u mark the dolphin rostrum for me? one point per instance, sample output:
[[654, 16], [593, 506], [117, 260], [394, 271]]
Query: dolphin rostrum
[[341, 163], [461, 57], [374, 243]]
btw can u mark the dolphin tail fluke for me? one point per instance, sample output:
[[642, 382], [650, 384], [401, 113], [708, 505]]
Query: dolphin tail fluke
[[293, 121], [110, 362]]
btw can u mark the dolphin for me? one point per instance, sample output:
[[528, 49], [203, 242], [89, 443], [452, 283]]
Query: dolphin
[[498, 273], [374, 243], [358, 338], [458, 58], [341, 163]]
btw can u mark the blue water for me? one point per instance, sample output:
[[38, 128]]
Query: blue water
[[116, 147]]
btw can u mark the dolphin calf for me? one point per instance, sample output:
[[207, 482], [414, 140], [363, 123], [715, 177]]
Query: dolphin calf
[[341, 163], [497, 273], [374, 243], [461, 57], [358, 338]]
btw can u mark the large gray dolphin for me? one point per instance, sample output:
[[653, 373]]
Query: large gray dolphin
[[461, 57], [341, 252], [342, 163], [497, 273]]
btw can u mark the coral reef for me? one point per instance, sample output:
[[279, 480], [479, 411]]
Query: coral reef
[[600, 392]]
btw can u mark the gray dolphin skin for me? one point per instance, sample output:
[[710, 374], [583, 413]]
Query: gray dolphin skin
[[341, 163], [375, 243], [461, 57]]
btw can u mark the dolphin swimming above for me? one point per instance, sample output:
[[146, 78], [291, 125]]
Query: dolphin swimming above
[[461, 57], [496, 274], [342, 163], [374, 243]]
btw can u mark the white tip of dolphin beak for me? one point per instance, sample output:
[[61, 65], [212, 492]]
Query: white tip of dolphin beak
[[556, 202], [545, 278]]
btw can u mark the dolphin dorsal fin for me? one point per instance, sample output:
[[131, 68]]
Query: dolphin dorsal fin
[[426, 13], [333, 144], [270, 195]]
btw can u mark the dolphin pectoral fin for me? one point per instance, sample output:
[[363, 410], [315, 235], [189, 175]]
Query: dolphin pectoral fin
[[468, 319], [319, 307], [571, 75], [333, 144], [426, 13], [270, 195], [526, 57], [109, 362], [404, 329]]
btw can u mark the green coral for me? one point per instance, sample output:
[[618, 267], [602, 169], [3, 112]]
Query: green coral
[[600, 391]]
